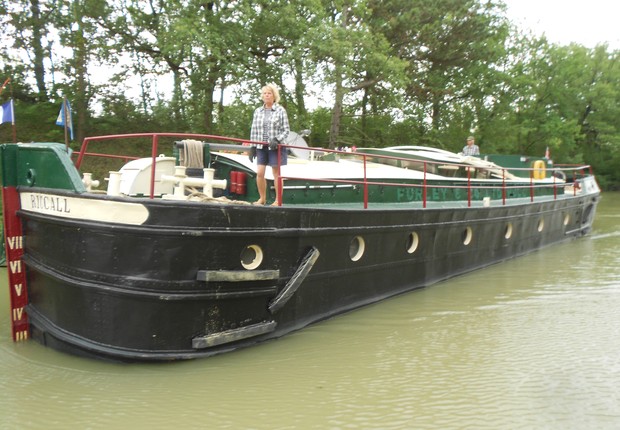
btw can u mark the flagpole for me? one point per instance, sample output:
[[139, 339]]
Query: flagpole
[[8, 81], [66, 115], [13, 119], [13, 125]]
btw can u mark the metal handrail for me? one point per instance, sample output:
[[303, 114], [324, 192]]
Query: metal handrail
[[505, 186], [154, 145], [577, 170]]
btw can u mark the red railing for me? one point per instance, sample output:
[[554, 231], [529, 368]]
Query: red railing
[[425, 186], [578, 171], [154, 147]]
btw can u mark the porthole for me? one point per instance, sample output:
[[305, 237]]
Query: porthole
[[251, 257], [413, 240], [31, 176], [541, 224], [508, 231], [566, 219], [356, 248], [467, 236]]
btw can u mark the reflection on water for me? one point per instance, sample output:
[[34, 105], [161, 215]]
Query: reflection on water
[[531, 343]]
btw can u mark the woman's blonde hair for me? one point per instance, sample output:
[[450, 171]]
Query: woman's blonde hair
[[274, 91]]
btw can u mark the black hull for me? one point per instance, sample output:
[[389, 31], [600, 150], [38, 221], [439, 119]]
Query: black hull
[[167, 290]]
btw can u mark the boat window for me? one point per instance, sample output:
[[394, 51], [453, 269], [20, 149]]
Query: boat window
[[356, 248], [467, 236], [413, 240], [251, 257], [508, 231]]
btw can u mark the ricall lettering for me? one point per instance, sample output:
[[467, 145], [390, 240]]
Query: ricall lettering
[[50, 203]]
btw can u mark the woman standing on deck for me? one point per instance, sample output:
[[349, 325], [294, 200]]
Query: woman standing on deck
[[269, 124]]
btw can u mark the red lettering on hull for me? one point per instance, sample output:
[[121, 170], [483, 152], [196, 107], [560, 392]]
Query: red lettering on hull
[[20, 327]]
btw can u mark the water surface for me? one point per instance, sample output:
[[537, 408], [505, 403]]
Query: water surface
[[532, 343]]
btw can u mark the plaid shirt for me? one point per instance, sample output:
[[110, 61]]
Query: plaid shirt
[[471, 150], [278, 126]]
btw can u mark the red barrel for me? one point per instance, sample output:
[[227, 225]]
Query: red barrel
[[234, 179], [241, 182]]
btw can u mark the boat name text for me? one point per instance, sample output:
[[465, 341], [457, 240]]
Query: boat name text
[[50, 203]]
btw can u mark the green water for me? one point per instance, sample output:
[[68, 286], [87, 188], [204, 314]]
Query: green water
[[533, 343]]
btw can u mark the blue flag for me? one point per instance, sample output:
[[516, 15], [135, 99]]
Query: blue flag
[[66, 107], [6, 113]]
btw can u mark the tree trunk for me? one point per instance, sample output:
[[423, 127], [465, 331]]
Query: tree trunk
[[81, 102], [334, 129], [37, 48], [178, 105], [436, 112], [209, 89], [299, 88], [364, 118]]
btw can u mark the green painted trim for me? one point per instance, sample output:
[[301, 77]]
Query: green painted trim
[[43, 165]]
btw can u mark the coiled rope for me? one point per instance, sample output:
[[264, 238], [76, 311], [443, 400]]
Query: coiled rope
[[198, 196], [193, 154]]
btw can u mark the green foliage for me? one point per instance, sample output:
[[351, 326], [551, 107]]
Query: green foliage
[[386, 72], [34, 123]]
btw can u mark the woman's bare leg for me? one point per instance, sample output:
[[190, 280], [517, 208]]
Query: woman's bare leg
[[276, 182], [261, 184]]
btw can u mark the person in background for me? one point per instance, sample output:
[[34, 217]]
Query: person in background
[[270, 125], [471, 148]]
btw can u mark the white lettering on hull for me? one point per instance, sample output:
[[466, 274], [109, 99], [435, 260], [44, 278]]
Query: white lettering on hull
[[20, 336], [18, 313], [15, 266], [15, 242], [84, 209]]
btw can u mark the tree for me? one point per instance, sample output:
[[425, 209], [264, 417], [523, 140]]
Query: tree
[[27, 24], [394, 71], [352, 58], [451, 46]]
